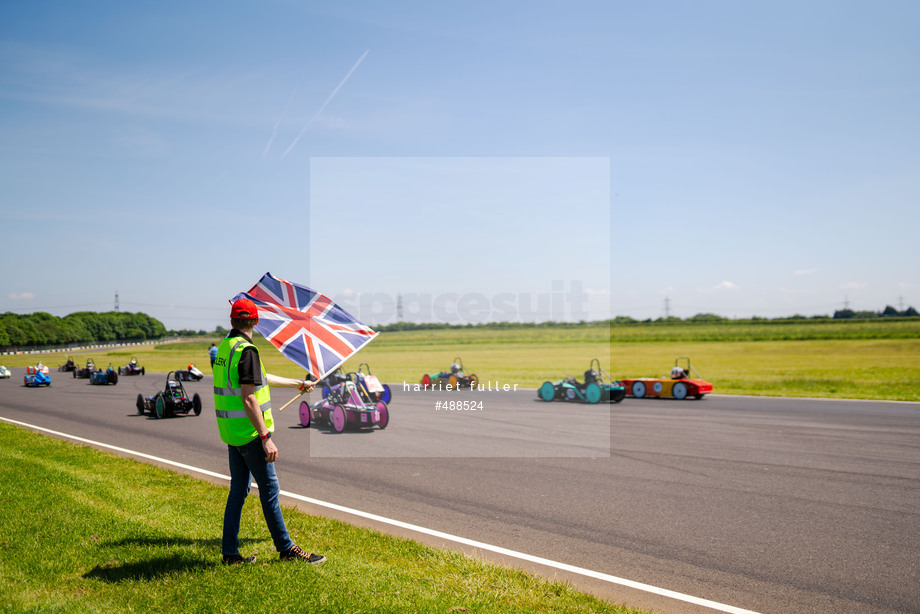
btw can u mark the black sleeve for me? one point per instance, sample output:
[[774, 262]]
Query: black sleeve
[[249, 370]]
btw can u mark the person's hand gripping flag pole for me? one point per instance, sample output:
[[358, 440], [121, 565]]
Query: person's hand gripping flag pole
[[306, 326]]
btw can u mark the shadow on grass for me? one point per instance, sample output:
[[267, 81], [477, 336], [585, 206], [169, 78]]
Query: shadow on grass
[[115, 571], [149, 569]]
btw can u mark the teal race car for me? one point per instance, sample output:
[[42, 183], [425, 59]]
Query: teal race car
[[597, 387], [103, 378]]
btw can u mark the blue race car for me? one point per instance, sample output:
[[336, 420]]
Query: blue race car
[[101, 378], [36, 376]]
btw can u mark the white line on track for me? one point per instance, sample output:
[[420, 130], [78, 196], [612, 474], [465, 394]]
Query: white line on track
[[663, 592]]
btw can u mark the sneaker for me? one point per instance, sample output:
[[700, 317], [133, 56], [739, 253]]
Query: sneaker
[[298, 553], [235, 559]]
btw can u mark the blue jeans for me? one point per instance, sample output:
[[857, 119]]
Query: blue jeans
[[246, 462]]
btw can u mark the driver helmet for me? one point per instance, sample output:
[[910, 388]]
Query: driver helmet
[[677, 373], [455, 368]]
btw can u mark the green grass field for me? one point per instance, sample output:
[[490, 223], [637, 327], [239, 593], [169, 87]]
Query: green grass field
[[84, 531], [862, 359]]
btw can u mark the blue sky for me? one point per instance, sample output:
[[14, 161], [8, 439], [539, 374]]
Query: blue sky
[[747, 158]]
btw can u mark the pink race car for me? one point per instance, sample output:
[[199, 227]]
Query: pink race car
[[346, 404]]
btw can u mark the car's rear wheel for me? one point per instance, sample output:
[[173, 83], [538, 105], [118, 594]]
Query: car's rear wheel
[[159, 406], [547, 391], [387, 394], [113, 377], [452, 381], [679, 390], [196, 404], [474, 381], [638, 389], [593, 393], [339, 419], [305, 414]]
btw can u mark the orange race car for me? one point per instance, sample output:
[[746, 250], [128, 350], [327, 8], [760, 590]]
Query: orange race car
[[678, 386]]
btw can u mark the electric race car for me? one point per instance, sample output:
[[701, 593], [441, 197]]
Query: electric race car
[[83, 373], [102, 378], [678, 386], [375, 390], [70, 365], [4, 372], [36, 376], [171, 401], [370, 384], [132, 368], [455, 378], [598, 386], [187, 375], [346, 404]]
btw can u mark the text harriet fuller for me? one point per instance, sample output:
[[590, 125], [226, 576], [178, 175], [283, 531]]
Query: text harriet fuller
[[485, 386]]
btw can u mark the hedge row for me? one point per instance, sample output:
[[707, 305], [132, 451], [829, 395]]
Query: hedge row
[[41, 329]]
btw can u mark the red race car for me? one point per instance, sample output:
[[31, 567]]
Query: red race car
[[678, 386]]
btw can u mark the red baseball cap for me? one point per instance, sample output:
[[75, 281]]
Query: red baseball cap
[[244, 309]]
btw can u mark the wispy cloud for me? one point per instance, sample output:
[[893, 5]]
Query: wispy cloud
[[854, 285], [22, 296], [328, 100], [725, 285], [805, 272], [287, 107]]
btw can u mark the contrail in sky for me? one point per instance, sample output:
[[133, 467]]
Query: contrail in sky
[[283, 114], [331, 96]]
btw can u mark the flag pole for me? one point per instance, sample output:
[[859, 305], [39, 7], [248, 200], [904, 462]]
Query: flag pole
[[281, 409], [291, 401]]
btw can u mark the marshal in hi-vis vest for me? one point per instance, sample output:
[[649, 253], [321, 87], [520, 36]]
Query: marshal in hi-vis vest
[[234, 425]]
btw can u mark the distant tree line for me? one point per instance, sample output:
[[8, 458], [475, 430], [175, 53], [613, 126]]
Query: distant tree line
[[887, 312], [43, 329], [841, 314]]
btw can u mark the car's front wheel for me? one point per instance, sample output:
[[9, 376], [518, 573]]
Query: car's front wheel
[[679, 390]]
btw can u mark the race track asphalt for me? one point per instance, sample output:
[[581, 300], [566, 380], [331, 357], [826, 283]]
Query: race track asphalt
[[767, 504]]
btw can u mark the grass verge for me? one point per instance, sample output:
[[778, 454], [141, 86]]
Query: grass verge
[[86, 531]]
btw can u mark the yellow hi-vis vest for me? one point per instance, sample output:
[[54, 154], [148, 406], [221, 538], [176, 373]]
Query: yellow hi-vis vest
[[233, 423]]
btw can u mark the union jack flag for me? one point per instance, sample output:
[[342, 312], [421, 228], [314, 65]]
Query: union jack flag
[[305, 325]]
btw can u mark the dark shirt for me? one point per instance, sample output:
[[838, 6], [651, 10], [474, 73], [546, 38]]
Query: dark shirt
[[249, 368]]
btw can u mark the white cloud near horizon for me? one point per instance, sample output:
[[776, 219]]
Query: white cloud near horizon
[[22, 296]]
